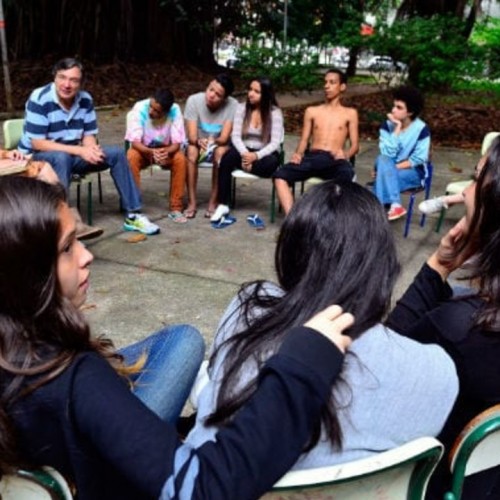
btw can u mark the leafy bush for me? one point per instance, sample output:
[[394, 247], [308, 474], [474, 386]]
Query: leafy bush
[[437, 53], [293, 68], [487, 35]]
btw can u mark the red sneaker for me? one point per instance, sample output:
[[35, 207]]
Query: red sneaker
[[396, 213]]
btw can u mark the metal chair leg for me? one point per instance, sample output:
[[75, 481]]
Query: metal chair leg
[[78, 198], [99, 185], [440, 220], [272, 216], [89, 204], [233, 192], [409, 215]]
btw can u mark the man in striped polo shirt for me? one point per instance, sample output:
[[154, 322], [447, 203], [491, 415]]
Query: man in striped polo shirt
[[61, 128]]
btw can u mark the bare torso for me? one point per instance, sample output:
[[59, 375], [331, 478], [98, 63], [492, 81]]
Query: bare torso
[[330, 127], [327, 127]]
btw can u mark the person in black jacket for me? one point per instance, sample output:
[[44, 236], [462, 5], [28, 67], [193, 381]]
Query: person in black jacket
[[66, 399], [467, 326]]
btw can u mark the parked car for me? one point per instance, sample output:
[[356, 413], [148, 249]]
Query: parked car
[[227, 56], [386, 63]]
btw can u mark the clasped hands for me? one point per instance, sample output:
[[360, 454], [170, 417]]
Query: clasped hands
[[247, 160], [205, 142], [92, 154], [160, 156]]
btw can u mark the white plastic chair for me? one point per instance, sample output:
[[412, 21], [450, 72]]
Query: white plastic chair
[[457, 187], [242, 175], [398, 474], [42, 484]]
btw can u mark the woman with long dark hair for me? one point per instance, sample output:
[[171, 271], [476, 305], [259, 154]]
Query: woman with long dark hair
[[467, 326], [66, 398], [256, 138], [335, 246]]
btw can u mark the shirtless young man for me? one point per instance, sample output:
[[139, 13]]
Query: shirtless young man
[[328, 126]]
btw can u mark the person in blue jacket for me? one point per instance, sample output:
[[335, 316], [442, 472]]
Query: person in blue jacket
[[404, 145]]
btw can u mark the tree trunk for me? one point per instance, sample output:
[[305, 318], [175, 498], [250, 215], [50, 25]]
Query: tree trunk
[[353, 61], [109, 31]]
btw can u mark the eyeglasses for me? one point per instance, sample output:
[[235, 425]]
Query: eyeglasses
[[63, 78]]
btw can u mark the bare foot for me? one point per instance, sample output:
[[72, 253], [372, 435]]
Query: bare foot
[[190, 213]]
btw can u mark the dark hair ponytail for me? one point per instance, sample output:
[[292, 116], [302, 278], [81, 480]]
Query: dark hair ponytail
[[335, 247]]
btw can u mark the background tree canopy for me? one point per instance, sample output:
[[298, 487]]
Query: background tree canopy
[[432, 37]]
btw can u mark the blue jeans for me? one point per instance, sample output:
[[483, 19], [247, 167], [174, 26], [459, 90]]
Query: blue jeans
[[65, 165], [390, 180], [174, 356]]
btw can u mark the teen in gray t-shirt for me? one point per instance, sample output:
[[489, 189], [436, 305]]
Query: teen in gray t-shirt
[[209, 120]]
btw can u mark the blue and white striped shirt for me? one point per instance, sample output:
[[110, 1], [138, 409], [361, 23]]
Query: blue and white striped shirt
[[45, 118]]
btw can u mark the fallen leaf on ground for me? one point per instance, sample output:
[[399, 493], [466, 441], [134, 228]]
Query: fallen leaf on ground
[[135, 238], [88, 306]]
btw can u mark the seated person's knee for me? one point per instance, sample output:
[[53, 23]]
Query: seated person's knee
[[192, 154]]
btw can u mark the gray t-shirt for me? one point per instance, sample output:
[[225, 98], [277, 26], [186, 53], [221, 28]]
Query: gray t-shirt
[[209, 122], [393, 390]]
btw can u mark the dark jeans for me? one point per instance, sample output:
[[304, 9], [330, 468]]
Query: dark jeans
[[265, 167], [316, 163]]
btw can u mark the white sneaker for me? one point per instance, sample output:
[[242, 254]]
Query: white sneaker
[[220, 211], [139, 222], [431, 206]]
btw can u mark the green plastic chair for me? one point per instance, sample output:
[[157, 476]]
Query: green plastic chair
[[41, 484], [459, 186], [398, 474], [12, 132], [476, 449]]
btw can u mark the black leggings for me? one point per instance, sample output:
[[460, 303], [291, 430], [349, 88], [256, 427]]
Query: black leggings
[[265, 167]]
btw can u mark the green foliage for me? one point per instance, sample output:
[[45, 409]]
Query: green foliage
[[487, 36], [294, 68], [484, 92], [435, 50]]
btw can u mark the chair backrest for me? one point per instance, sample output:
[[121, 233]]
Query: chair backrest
[[12, 132], [428, 178], [42, 484], [488, 139], [398, 474], [127, 121], [476, 449]]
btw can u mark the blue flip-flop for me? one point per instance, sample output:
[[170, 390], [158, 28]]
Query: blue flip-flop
[[224, 221], [255, 221]]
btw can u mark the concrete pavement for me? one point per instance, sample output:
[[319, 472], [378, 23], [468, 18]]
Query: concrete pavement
[[188, 273]]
